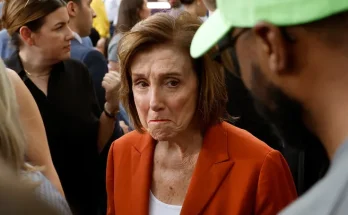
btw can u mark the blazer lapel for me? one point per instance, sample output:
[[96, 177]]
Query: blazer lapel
[[212, 167], [142, 158]]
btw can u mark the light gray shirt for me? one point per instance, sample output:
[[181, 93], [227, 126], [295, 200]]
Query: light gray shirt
[[46, 192], [112, 49], [330, 195]]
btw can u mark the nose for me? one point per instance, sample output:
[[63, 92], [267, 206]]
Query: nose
[[93, 14], [69, 35], [156, 101]]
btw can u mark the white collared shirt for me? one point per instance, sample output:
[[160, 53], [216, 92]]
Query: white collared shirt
[[77, 37]]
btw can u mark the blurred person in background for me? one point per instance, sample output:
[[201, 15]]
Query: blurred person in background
[[174, 3], [95, 37], [100, 22], [14, 143], [295, 66], [112, 8], [195, 7], [130, 13], [81, 17], [183, 158], [176, 7], [76, 127]]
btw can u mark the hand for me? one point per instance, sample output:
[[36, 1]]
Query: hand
[[111, 84], [125, 128]]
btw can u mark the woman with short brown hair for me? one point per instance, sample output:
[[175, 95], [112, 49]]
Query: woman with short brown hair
[[182, 158]]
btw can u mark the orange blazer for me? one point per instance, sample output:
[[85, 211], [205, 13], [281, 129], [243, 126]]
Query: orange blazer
[[235, 174]]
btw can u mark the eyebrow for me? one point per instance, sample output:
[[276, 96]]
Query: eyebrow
[[59, 23], [142, 75]]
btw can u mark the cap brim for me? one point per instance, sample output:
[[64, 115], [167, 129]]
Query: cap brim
[[209, 34]]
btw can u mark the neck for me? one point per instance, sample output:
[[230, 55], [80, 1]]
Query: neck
[[187, 145], [327, 115], [73, 27], [33, 64], [191, 9]]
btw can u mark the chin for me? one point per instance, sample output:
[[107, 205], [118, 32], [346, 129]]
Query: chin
[[286, 116], [161, 134], [65, 56]]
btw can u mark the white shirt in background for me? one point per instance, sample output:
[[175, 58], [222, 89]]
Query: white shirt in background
[[111, 7]]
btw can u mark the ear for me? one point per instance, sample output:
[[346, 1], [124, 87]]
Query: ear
[[72, 8], [27, 35], [273, 46]]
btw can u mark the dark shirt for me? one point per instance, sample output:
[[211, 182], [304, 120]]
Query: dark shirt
[[70, 113], [96, 64], [307, 166]]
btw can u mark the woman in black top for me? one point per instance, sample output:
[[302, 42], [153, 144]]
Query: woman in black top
[[63, 90]]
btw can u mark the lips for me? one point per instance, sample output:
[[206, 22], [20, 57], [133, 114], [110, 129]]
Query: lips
[[159, 120], [67, 47]]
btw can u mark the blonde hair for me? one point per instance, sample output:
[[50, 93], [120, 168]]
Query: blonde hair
[[12, 139]]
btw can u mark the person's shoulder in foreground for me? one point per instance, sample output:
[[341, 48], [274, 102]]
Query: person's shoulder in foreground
[[17, 196], [48, 193], [329, 195]]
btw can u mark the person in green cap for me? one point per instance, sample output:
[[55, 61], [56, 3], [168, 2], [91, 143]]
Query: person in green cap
[[307, 165], [293, 57]]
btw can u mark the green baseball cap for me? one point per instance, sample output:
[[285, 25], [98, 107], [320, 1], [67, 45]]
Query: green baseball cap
[[246, 13]]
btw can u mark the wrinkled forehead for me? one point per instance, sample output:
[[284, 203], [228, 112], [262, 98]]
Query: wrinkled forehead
[[160, 60]]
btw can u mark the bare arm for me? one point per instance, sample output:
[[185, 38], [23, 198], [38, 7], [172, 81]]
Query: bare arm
[[106, 128], [111, 84], [38, 152]]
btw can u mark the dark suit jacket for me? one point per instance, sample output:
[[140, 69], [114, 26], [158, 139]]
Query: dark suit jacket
[[96, 64], [235, 174]]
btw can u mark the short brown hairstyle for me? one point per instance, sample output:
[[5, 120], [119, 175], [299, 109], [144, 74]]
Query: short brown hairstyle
[[178, 31], [30, 13]]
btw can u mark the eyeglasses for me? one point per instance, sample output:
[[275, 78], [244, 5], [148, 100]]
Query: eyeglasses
[[226, 54]]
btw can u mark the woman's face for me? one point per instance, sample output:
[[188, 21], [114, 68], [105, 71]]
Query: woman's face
[[145, 11], [165, 89], [52, 40]]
